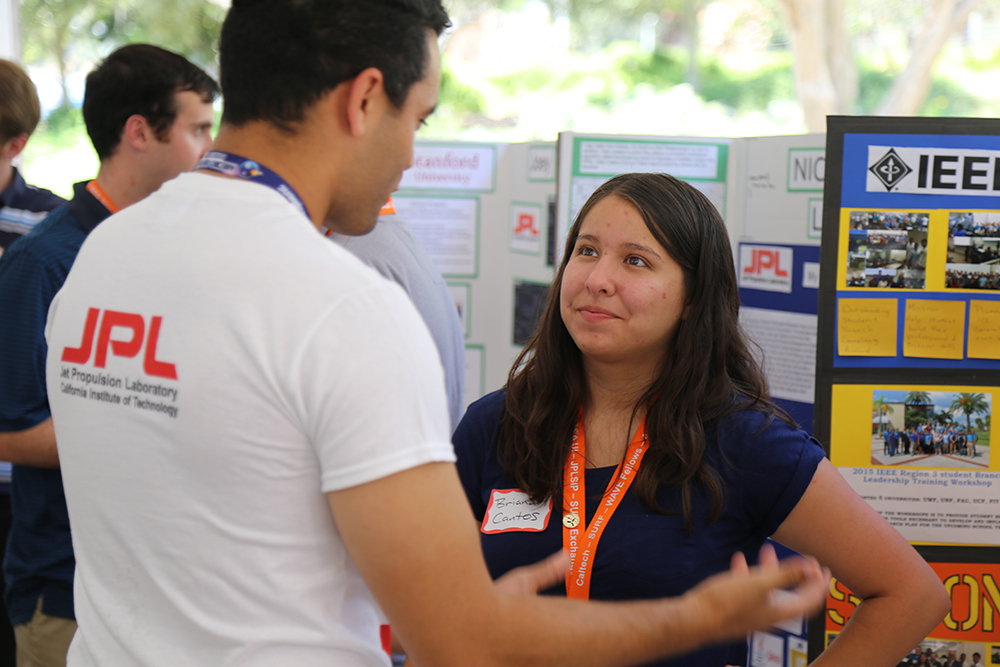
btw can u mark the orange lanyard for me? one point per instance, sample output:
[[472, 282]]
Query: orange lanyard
[[95, 189], [581, 546]]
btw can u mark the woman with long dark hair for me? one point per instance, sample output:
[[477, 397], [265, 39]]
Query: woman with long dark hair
[[636, 431]]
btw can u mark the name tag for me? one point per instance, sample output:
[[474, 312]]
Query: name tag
[[510, 511]]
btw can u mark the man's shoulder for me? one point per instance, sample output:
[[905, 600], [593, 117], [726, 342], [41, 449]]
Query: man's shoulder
[[34, 198], [56, 239], [22, 195]]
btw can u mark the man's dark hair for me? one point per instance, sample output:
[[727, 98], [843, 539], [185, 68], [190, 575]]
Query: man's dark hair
[[278, 57], [139, 79]]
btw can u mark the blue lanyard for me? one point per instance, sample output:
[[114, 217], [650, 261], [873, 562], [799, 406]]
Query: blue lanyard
[[248, 170]]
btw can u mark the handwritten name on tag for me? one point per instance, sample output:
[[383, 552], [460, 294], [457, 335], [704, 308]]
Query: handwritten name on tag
[[510, 510]]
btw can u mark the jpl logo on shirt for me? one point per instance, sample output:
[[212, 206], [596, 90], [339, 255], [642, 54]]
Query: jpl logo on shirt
[[120, 348]]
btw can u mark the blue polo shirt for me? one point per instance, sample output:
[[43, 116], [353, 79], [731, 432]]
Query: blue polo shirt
[[23, 206], [39, 558]]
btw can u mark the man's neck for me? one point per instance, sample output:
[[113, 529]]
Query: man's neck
[[297, 159], [122, 183], [6, 175]]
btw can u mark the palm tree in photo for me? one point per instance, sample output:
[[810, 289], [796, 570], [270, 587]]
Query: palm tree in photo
[[917, 398], [968, 404], [881, 407]]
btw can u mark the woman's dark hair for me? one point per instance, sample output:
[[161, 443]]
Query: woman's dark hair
[[708, 371]]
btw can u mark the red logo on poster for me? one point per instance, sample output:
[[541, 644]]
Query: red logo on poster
[[526, 223], [765, 260]]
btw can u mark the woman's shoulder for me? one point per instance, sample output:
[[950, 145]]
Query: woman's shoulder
[[479, 425], [756, 429], [489, 407]]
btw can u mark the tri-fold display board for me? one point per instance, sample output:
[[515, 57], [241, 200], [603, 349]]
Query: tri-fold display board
[[908, 364]]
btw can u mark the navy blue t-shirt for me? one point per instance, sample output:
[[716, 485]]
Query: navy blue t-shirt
[[39, 558], [23, 206], [643, 554]]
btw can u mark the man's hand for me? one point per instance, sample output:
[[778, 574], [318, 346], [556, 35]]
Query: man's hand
[[746, 599]]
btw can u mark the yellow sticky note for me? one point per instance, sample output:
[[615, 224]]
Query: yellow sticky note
[[984, 329], [934, 329], [866, 327]]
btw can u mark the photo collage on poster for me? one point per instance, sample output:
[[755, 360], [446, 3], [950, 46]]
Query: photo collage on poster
[[887, 249], [919, 284], [973, 251]]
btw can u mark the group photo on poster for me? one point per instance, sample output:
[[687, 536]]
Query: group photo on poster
[[973, 250], [931, 429], [887, 249]]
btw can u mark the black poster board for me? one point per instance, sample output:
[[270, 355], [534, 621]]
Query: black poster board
[[908, 348]]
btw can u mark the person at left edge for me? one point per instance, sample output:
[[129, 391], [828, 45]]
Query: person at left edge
[[22, 206], [149, 115]]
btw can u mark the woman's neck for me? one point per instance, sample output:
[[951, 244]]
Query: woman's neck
[[615, 389], [612, 414]]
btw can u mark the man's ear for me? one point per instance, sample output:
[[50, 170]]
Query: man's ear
[[365, 100], [137, 133], [13, 147]]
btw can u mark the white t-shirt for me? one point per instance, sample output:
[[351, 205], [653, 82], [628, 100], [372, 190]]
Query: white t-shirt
[[200, 525]]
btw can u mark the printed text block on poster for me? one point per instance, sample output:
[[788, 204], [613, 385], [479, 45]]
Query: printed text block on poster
[[934, 329], [984, 329], [867, 327]]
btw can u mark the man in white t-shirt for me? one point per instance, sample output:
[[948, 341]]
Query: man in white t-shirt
[[252, 424]]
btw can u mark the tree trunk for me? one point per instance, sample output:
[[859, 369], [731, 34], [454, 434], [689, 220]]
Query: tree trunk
[[910, 89], [59, 49], [843, 71], [814, 80]]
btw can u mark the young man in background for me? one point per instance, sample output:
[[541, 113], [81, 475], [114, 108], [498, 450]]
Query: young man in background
[[149, 115]]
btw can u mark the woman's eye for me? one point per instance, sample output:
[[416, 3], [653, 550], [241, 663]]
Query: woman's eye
[[587, 250], [636, 261]]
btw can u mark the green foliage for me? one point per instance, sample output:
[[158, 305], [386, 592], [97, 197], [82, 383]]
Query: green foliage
[[62, 125], [662, 69], [915, 418], [189, 27], [946, 98], [71, 33], [949, 99], [538, 78], [745, 90], [917, 398], [460, 98], [628, 68]]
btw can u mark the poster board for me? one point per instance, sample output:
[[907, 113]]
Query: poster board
[[775, 216], [587, 160], [908, 362], [483, 213]]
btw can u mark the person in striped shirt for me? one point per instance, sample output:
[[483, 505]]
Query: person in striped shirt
[[22, 206]]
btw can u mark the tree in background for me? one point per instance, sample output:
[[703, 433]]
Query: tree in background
[[826, 71], [72, 33], [917, 398], [57, 31], [968, 404], [881, 407]]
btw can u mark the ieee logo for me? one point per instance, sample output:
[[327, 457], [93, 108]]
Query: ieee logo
[[890, 170]]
